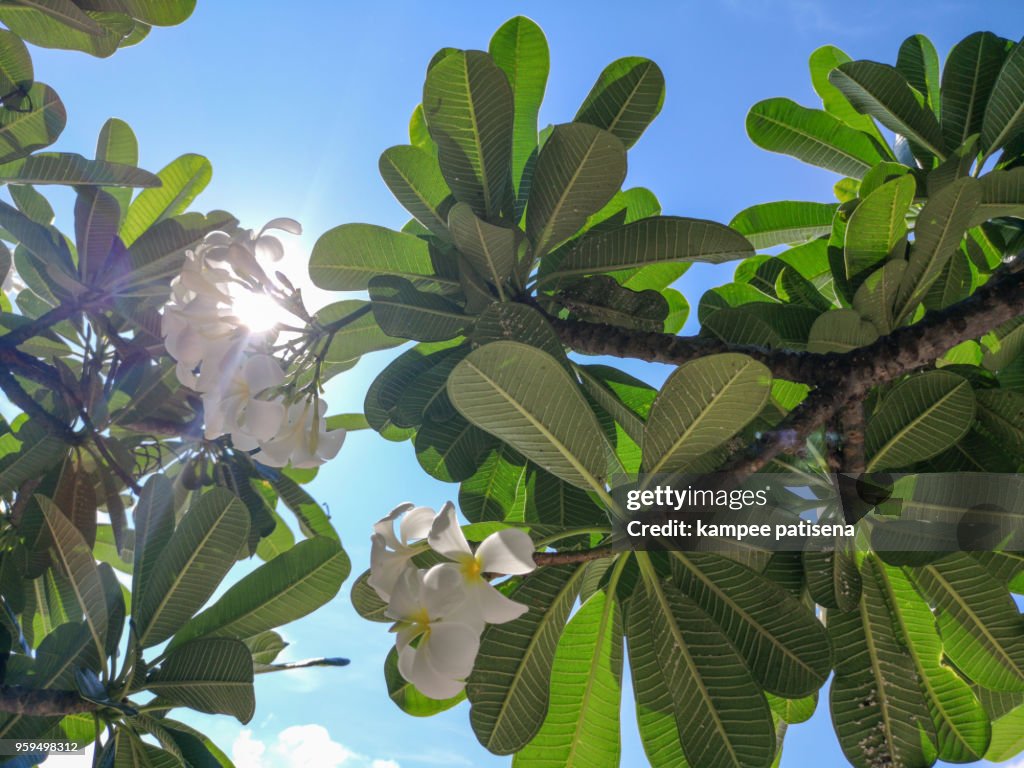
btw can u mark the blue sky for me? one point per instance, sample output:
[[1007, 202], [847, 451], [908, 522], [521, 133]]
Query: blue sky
[[293, 103]]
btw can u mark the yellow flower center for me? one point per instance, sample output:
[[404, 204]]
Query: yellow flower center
[[471, 568]]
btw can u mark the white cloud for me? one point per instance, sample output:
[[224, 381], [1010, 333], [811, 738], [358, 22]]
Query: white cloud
[[299, 746]]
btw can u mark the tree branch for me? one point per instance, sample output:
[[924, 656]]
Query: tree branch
[[36, 702], [848, 377], [654, 347], [904, 350], [572, 556]]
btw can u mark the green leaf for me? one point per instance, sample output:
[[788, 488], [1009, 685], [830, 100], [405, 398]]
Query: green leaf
[[511, 681], [877, 296], [967, 79], [44, 30], [920, 417], [33, 459], [67, 13], [525, 397], [600, 299], [1002, 194], [293, 584], [878, 710], [1004, 112], [16, 72], [451, 450], [159, 252], [346, 257], [469, 109], [190, 566], [625, 99], [181, 181], [96, 218], [980, 624], [117, 144], [408, 698], [784, 645], [1001, 412], [579, 169], [551, 501], [312, 519], [816, 137], [160, 13], [212, 675], [492, 250], [415, 180], [69, 168], [787, 221], [654, 704], [822, 62], [876, 226], [938, 231], [701, 406], [720, 712], [77, 563], [32, 203], [961, 724], [154, 524], [36, 124], [657, 240], [356, 338], [495, 490], [582, 725], [407, 313], [840, 330], [918, 62], [521, 50], [882, 92], [1007, 736]]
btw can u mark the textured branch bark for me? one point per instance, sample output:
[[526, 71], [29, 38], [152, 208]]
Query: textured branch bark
[[847, 378], [573, 556], [36, 702], [601, 339], [904, 350]]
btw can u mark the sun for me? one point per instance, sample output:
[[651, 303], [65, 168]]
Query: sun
[[257, 311]]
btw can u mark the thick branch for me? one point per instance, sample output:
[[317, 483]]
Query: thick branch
[[35, 702], [654, 347], [904, 350], [572, 556]]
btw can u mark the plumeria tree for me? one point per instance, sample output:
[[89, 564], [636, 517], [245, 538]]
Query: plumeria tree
[[881, 334], [162, 386], [164, 380]]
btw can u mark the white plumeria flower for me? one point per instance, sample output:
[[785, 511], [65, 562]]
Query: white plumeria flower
[[243, 249], [303, 439], [234, 407], [12, 281], [435, 653], [505, 552], [391, 554]]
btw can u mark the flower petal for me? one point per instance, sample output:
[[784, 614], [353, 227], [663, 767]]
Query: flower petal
[[508, 551], [263, 418], [417, 669], [446, 537], [494, 607], [262, 372], [416, 524], [405, 596], [443, 591], [451, 649]]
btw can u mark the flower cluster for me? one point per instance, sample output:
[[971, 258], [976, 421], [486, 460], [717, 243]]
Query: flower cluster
[[441, 611], [223, 356]]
